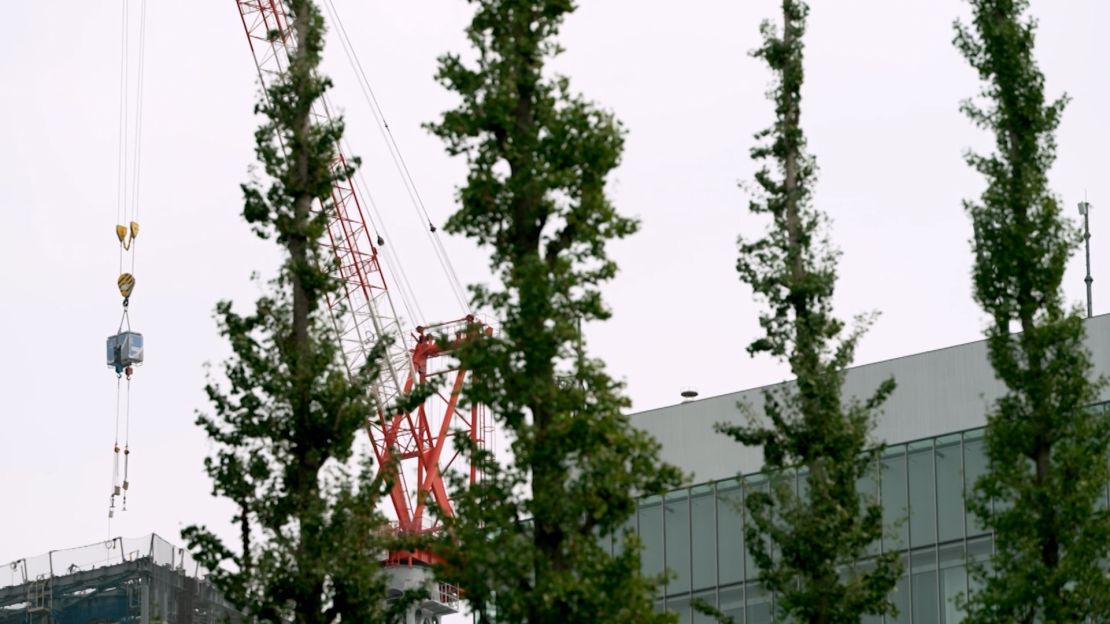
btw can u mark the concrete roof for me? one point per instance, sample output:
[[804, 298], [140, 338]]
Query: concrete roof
[[938, 392]]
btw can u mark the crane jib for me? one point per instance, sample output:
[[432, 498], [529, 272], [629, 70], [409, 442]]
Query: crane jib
[[414, 444]]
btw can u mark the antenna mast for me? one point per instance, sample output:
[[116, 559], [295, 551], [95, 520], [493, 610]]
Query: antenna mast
[[1085, 210]]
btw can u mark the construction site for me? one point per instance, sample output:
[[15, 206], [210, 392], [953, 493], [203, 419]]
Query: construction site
[[150, 580], [130, 403], [144, 580]]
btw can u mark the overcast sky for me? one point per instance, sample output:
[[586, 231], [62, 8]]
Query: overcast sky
[[880, 107]]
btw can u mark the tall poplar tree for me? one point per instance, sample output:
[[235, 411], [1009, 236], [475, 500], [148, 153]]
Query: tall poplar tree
[[807, 544], [1046, 451], [284, 425], [525, 544]]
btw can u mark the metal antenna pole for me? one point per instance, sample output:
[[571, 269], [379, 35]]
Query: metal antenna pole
[[1085, 210]]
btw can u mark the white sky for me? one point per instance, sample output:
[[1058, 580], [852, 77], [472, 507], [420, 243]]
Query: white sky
[[880, 107]]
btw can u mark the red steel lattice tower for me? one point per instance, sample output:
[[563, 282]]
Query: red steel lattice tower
[[414, 443]]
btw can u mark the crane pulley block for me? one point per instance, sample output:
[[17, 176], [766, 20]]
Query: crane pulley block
[[124, 350], [127, 234], [126, 283]]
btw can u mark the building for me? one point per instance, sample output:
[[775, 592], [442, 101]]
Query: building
[[145, 581], [932, 426]]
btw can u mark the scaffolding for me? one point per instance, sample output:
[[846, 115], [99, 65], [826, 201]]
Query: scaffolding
[[143, 580]]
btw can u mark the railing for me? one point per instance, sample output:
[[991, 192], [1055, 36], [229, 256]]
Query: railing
[[110, 552], [449, 595]]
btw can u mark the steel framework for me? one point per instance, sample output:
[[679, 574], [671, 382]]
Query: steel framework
[[412, 444]]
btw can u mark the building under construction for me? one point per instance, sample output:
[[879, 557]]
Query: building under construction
[[144, 580]]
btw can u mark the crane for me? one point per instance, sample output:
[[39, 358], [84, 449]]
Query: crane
[[413, 444]]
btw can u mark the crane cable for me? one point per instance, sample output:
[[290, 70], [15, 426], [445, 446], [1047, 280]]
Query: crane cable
[[121, 213], [374, 227], [393, 263], [411, 189], [127, 211], [122, 130]]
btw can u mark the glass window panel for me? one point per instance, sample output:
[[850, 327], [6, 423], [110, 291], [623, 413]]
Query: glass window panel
[[681, 606], [754, 483], [1103, 408], [953, 582], [732, 603], [950, 489], [923, 519], [730, 532], [867, 487], [703, 521], [708, 598], [1103, 502], [893, 492], [901, 599], [618, 538], [863, 568], [760, 609], [925, 597], [975, 465], [677, 526], [978, 551], [651, 536]]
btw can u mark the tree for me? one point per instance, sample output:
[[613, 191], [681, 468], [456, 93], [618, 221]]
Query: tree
[[1046, 451], [284, 426], [808, 544], [525, 544]]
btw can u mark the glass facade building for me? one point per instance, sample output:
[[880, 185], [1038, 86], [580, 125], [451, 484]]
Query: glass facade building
[[697, 535]]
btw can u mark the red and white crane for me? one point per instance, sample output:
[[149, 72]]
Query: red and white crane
[[414, 444]]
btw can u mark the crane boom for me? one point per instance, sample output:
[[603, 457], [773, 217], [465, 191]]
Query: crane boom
[[411, 444]]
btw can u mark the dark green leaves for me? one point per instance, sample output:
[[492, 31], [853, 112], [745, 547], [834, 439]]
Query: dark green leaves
[[285, 416], [1046, 451], [806, 545], [525, 540]]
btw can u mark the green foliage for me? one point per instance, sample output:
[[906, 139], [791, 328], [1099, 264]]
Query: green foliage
[[525, 545], [808, 545], [283, 426], [1046, 452]]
